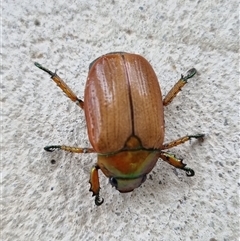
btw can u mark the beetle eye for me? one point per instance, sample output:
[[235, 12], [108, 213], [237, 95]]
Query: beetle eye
[[113, 181], [144, 178]]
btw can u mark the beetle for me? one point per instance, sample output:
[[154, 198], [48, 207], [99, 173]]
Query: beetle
[[123, 108]]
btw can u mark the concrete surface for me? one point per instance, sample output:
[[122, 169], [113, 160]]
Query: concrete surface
[[44, 201]]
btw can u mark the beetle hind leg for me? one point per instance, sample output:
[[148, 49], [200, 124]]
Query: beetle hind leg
[[62, 85], [178, 86], [172, 160]]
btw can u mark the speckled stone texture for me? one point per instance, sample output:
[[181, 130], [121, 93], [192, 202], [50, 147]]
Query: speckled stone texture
[[43, 200]]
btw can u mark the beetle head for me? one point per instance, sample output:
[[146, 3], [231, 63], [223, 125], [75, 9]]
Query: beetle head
[[127, 184]]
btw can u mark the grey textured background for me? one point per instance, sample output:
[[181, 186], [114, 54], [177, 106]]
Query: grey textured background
[[44, 201]]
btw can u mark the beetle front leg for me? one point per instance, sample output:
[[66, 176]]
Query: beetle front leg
[[178, 86], [61, 84], [95, 186], [181, 141], [172, 160]]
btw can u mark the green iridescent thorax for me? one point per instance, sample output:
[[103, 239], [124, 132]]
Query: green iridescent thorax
[[128, 168]]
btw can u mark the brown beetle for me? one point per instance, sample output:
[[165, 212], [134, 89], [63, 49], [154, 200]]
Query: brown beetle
[[123, 107]]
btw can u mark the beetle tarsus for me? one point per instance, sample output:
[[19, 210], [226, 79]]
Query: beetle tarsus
[[44, 69], [189, 172], [98, 201], [51, 148], [197, 136], [190, 73]]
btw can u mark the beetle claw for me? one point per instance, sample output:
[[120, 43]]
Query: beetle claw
[[51, 148], [189, 172], [98, 201]]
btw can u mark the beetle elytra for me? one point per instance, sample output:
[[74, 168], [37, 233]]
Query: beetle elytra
[[123, 108]]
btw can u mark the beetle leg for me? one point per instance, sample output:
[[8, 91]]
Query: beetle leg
[[178, 86], [95, 186], [69, 148], [181, 141], [64, 87], [172, 160]]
